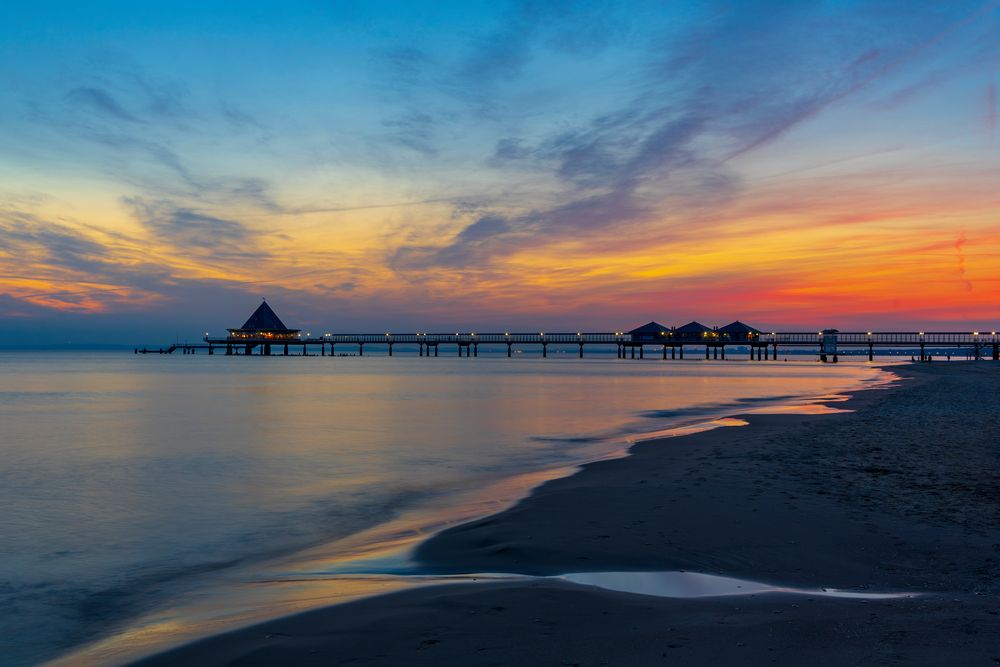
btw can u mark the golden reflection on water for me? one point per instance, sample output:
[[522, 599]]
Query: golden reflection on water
[[309, 579]]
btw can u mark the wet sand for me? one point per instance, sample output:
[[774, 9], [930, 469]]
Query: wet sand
[[901, 495]]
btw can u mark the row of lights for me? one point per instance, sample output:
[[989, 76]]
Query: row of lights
[[618, 333]]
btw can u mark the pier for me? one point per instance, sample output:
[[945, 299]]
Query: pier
[[264, 334], [764, 347]]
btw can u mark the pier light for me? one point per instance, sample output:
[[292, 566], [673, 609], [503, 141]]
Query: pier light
[[993, 333], [975, 333], [472, 334], [506, 333], [869, 333], [541, 333]]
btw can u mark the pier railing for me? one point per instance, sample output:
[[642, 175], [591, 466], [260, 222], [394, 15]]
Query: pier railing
[[884, 338], [476, 338]]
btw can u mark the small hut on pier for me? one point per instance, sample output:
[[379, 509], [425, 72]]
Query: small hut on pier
[[695, 332], [653, 332], [264, 324], [738, 332]]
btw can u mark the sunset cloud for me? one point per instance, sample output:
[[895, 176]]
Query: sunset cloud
[[579, 165]]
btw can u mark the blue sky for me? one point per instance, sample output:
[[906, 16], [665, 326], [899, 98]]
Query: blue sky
[[442, 165]]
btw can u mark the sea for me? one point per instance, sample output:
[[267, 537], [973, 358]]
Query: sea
[[146, 500]]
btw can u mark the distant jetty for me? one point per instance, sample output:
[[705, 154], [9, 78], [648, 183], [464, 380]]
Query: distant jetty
[[264, 334]]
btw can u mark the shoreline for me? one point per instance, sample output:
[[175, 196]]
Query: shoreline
[[377, 560], [825, 523]]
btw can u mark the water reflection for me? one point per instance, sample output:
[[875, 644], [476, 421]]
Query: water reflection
[[697, 585], [134, 484]]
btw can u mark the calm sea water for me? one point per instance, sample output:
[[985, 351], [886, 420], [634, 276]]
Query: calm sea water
[[123, 477]]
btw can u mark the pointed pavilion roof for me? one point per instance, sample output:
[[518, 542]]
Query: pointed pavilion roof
[[738, 327], [692, 327], [264, 319], [650, 328]]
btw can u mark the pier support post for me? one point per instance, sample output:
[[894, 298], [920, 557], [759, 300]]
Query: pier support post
[[267, 349], [361, 349], [621, 351], [421, 349], [229, 350], [976, 356], [390, 349], [545, 350], [664, 352], [249, 350], [708, 352], [642, 350], [508, 350], [211, 350], [996, 352], [332, 349], [322, 349], [286, 349], [633, 351], [723, 352], [460, 349], [475, 349], [753, 351], [871, 352], [923, 354], [673, 352], [435, 350], [581, 350], [775, 355], [682, 351]]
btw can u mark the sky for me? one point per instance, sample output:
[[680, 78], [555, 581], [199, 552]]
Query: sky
[[445, 166]]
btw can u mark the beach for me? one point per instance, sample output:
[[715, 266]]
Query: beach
[[899, 495]]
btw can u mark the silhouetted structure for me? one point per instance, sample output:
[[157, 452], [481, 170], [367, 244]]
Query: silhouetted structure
[[737, 332], [653, 332], [693, 332], [264, 324], [265, 328]]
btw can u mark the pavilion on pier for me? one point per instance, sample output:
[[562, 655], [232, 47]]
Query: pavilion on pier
[[264, 325]]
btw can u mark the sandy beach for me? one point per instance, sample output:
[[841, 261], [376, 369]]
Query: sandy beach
[[900, 495]]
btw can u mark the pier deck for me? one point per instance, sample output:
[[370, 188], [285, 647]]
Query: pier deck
[[763, 346]]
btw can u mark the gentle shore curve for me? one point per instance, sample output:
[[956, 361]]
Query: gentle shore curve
[[902, 494]]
